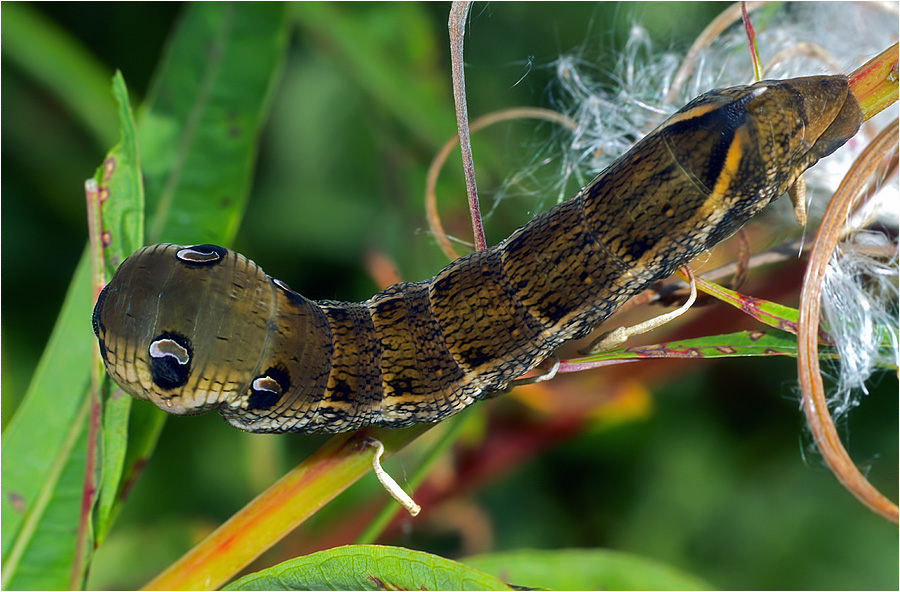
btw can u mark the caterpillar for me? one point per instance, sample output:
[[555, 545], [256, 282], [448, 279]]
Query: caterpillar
[[192, 328]]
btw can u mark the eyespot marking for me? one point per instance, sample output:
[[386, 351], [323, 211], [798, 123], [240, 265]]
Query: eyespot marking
[[268, 388], [170, 360], [266, 383], [201, 254], [167, 347]]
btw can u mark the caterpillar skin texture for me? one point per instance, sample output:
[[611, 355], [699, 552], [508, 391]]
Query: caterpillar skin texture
[[196, 328]]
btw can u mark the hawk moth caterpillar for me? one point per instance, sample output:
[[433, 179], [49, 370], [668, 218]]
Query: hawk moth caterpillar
[[196, 328]]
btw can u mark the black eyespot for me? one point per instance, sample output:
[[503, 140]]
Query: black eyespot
[[267, 388], [201, 255], [170, 360]]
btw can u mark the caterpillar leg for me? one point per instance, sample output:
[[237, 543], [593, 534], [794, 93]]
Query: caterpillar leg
[[797, 193]]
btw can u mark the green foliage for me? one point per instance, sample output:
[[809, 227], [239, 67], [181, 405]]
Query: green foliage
[[374, 567], [42, 509], [369, 567], [584, 569], [732, 345], [209, 120], [120, 187], [341, 124], [201, 121]]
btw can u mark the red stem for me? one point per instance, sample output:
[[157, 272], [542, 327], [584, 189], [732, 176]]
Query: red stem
[[89, 488], [457, 26]]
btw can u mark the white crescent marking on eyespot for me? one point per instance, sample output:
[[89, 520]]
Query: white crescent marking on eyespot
[[172, 350], [191, 255]]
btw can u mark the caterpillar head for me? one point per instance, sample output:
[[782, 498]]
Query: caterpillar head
[[746, 145], [800, 121], [192, 328]]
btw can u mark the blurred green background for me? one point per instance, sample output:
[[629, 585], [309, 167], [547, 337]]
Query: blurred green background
[[716, 477]]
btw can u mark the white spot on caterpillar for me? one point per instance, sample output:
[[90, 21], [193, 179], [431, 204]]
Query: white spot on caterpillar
[[162, 348], [198, 255]]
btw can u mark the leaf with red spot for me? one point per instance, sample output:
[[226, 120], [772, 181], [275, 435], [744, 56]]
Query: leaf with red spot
[[731, 345]]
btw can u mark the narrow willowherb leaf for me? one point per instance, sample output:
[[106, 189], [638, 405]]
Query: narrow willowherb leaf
[[207, 105]]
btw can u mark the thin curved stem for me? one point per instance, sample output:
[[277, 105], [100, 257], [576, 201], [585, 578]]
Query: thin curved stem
[[459, 11], [431, 210], [811, 385]]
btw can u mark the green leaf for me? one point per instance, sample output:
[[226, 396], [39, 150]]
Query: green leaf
[[44, 454], [369, 567], [730, 345], [200, 127], [366, 40], [61, 64], [45, 441], [783, 318], [585, 569], [119, 182], [41, 553], [213, 146]]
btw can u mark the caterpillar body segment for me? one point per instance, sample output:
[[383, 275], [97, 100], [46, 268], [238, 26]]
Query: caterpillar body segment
[[195, 328]]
